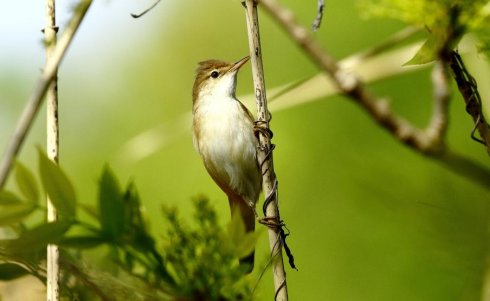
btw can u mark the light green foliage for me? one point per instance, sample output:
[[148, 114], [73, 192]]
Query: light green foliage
[[57, 186], [445, 20], [111, 207], [199, 263], [243, 242], [203, 259], [26, 182], [13, 209]]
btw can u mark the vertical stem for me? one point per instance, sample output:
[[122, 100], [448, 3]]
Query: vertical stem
[[264, 154], [52, 133]]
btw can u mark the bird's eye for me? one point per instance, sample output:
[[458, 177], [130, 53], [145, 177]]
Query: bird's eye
[[214, 74]]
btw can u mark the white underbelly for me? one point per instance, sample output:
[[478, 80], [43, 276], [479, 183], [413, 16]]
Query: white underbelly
[[229, 146]]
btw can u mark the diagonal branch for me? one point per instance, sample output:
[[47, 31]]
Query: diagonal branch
[[428, 142], [438, 124], [35, 100], [350, 85]]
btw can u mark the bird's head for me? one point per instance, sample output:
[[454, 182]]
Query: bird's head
[[214, 77]]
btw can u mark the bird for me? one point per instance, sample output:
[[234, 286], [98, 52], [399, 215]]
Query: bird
[[224, 136]]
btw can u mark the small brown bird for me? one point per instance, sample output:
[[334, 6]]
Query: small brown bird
[[223, 132]]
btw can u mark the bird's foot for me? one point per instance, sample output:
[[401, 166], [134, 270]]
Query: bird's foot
[[271, 222]]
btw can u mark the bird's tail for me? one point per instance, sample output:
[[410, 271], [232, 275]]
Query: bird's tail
[[248, 217]]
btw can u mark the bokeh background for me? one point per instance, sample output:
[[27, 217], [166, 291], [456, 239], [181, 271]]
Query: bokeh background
[[370, 219]]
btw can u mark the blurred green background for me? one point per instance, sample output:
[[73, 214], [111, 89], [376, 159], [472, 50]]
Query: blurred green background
[[370, 219]]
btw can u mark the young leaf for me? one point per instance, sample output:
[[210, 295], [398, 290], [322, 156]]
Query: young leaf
[[11, 271], [236, 227], [135, 228], [37, 238], [111, 205], [57, 186], [426, 53], [26, 183], [8, 198], [247, 244], [15, 213], [243, 242], [81, 242]]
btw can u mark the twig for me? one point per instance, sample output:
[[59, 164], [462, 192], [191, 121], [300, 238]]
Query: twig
[[34, 102], [350, 85], [319, 15], [424, 142], [437, 127], [136, 16], [52, 133], [264, 154]]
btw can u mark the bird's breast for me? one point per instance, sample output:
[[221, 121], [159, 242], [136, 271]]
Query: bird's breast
[[223, 135], [224, 128]]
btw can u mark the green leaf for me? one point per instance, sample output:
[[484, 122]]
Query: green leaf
[[90, 210], [26, 183], [236, 227], [111, 205], [247, 244], [57, 186], [243, 242], [8, 198], [11, 271], [81, 242], [426, 53], [37, 238], [135, 228], [15, 213]]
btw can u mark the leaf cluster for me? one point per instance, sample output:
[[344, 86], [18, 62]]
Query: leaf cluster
[[445, 20], [195, 263], [203, 259]]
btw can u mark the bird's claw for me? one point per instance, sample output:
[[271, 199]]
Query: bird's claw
[[271, 222]]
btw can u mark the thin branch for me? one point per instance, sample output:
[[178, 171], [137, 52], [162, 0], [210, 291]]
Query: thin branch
[[136, 16], [437, 127], [349, 84], [52, 135], [35, 100], [428, 142], [264, 153], [319, 15]]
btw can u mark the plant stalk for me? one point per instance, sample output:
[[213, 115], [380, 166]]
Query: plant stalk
[[264, 154]]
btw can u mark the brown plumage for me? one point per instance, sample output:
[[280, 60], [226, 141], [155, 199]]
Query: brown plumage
[[224, 137]]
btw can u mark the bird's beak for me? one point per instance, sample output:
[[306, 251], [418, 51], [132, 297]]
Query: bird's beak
[[238, 64]]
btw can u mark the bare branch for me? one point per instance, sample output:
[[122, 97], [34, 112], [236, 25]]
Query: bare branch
[[34, 102], [264, 153], [350, 85], [347, 82], [437, 127], [428, 142], [52, 135]]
